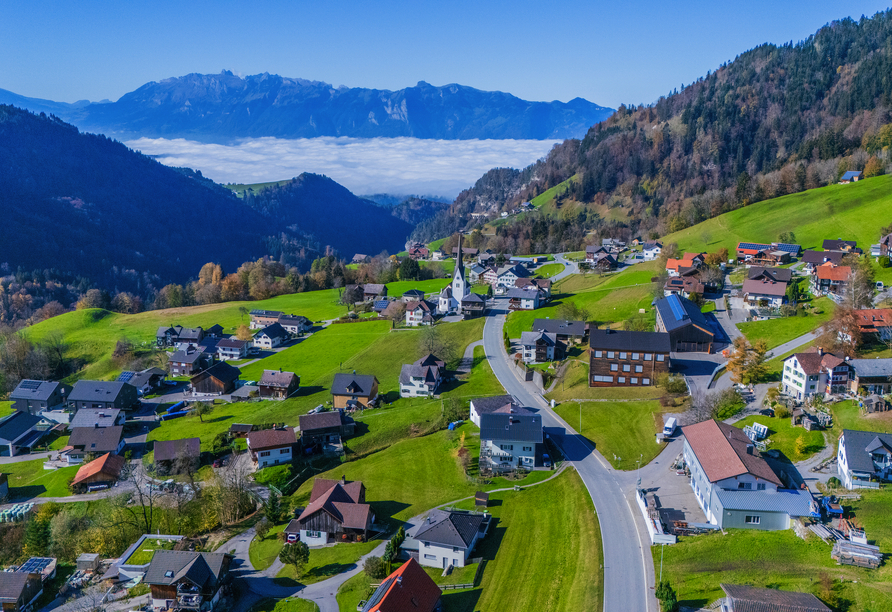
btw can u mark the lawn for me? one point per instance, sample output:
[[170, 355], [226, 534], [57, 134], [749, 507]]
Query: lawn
[[778, 559], [327, 562], [778, 331], [147, 551], [575, 386], [5, 408], [783, 436], [353, 591], [549, 270], [263, 552], [847, 415], [435, 285], [285, 605], [621, 431], [28, 479]]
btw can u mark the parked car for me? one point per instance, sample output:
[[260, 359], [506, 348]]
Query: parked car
[[880, 286], [546, 460]]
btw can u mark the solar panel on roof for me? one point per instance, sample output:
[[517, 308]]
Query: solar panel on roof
[[125, 376], [30, 385], [788, 248], [35, 565], [677, 308], [754, 246]]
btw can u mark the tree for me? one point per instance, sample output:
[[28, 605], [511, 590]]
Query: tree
[[409, 269], [273, 508], [243, 332], [668, 599], [262, 528], [296, 555], [747, 362], [203, 409], [374, 568], [861, 284], [842, 333], [787, 238]]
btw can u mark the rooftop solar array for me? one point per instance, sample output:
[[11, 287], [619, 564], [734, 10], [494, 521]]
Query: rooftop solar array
[[35, 565], [677, 308], [30, 385], [125, 376], [756, 246], [788, 248]]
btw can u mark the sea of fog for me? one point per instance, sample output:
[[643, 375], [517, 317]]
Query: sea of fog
[[363, 165]]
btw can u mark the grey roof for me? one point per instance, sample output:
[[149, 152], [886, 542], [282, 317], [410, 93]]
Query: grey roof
[[523, 293], [652, 245], [778, 274], [92, 417], [837, 244], [170, 566], [39, 390], [96, 390], [356, 385], [414, 293], [232, 343], [267, 313], [97, 439], [277, 378], [295, 320], [168, 450], [867, 368], [375, 288], [273, 331], [747, 598], [450, 528], [621, 340], [17, 424], [765, 287], [856, 445], [561, 327], [144, 377], [485, 405], [691, 313], [529, 338], [221, 370], [477, 269], [819, 257], [184, 357], [473, 298], [791, 501], [511, 427], [322, 420], [518, 270], [11, 586]]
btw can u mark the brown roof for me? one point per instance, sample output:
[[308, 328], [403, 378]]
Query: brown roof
[[168, 450], [232, 343], [765, 287], [759, 599], [833, 273], [353, 488], [813, 362], [423, 304], [271, 438], [408, 588], [277, 378], [870, 319], [721, 450], [108, 464], [337, 502], [97, 439], [321, 420]]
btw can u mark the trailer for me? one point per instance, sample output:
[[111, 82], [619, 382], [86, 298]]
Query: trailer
[[832, 506]]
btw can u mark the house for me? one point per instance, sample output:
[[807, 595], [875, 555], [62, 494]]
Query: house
[[419, 252], [145, 381], [373, 291], [845, 246], [188, 362], [875, 403], [97, 417], [19, 591], [466, 252], [734, 483], [814, 372], [330, 427], [684, 286], [278, 384], [627, 358], [271, 336], [263, 318], [766, 286], [885, 246], [103, 394], [473, 306], [448, 538], [420, 312], [272, 446], [864, 459], [499, 404], [830, 279], [510, 440], [770, 254], [354, 390], [875, 324], [613, 244], [408, 588], [745, 598], [651, 250], [541, 346], [102, 472], [360, 258], [413, 295], [689, 260], [188, 336], [295, 324], [219, 379], [542, 284], [592, 250], [89, 442], [240, 430], [813, 259], [35, 396], [505, 277], [602, 261], [337, 512], [566, 331], [214, 331], [19, 432], [175, 456], [688, 329], [232, 348], [475, 272], [450, 297], [870, 376], [523, 299], [852, 176], [422, 378], [187, 580]]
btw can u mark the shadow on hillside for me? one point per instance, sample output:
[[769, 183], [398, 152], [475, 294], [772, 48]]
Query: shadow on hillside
[[309, 390], [26, 492], [461, 601]]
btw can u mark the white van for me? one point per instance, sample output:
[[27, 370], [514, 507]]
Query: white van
[[670, 426]]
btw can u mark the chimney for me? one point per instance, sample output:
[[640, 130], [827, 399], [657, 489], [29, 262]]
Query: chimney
[[343, 479], [749, 449], [820, 350]]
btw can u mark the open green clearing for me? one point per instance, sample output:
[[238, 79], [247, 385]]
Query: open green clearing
[[696, 566], [326, 562], [575, 386], [263, 552], [285, 605], [847, 415], [241, 188], [778, 331], [783, 436], [549, 270], [147, 549], [28, 479], [434, 285], [622, 431], [5, 408], [608, 298]]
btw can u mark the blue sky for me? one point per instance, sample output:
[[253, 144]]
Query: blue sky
[[606, 52]]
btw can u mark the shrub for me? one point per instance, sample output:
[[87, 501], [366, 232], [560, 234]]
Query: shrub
[[782, 412], [834, 482], [374, 568]]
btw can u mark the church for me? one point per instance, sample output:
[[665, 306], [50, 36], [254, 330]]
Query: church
[[453, 294]]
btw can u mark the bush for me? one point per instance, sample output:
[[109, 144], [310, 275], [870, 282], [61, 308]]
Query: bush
[[728, 404], [782, 412], [374, 568], [834, 483], [672, 384]]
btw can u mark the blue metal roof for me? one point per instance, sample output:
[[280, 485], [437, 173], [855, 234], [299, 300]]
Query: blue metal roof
[[850, 175], [790, 501], [677, 308]]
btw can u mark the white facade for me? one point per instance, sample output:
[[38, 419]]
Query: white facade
[[264, 341], [415, 317], [441, 556], [528, 302], [774, 301], [313, 538], [796, 383], [515, 453], [225, 353], [415, 388], [651, 254], [450, 298], [273, 456], [882, 464]]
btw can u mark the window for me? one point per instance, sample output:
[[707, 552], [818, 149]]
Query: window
[[627, 367], [528, 449], [598, 354], [506, 447], [602, 379], [752, 520], [284, 451], [635, 355], [634, 381], [661, 357], [648, 356], [431, 557], [314, 534], [621, 379], [614, 367], [645, 381], [264, 453], [639, 368], [623, 355], [746, 486], [760, 486], [610, 354]]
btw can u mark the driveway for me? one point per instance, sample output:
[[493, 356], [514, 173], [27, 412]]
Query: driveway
[[628, 565]]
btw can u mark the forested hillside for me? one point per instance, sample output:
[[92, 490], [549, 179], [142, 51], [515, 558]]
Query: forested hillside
[[776, 120]]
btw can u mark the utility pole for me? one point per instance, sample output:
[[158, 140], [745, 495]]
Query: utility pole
[[662, 547], [640, 457]]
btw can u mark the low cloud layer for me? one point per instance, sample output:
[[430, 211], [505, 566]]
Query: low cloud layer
[[365, 166]]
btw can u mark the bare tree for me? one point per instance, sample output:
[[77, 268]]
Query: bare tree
[[137, 508]]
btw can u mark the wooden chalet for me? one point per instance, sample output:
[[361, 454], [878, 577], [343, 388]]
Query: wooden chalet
[[187, 580], [100, 472], [278, 384], [219, 379], [337, 512]]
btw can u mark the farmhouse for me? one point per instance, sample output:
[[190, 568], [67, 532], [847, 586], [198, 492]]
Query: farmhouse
[[175, 456], [815, 372], [352, 391], [870, 375], [408, 588], [734, 484], [271, 336], [864, 459], [688, 329], [219, 379], [374, 291], [875, 324], [103, 394], [102, 472], [271, 446], [188, 362], [186, 580], [422, 378], [35, 396], [324, 428], [19, 590], [449, 538], [627, 358], [830, 279], [473, 306], [510, 440], [540, 347], [337, 512], [852, 176], [278, 384]]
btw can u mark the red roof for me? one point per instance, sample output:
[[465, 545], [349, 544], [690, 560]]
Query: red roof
[[724, 451], [408, 589], [833, 273], [870, 319], [271, 438], [341, 505], [108, 464]]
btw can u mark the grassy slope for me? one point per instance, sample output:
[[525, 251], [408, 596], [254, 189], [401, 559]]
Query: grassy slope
[[575, 386], [549, 270], [5, 408], [284, 605], [326, 562], [263, 552], [29, 479]]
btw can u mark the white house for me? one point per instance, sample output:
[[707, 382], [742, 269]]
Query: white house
[[450, 298], [232, 348], [475, 272], [448, 538], [651, 250], [540, 347], [735, 485], [523, 299], [295, 324], [510, 440], [505, 277], [864, 459], [270, 336], [272, 446], [422, 378], [814, 372], [420, 312]]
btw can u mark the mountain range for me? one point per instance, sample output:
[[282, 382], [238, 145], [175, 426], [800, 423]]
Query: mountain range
[[224, 107]]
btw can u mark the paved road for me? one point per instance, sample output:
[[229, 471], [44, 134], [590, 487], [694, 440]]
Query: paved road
[[628, 565]]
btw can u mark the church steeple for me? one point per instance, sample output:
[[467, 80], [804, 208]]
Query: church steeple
[[459, 263], [460, 287]]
